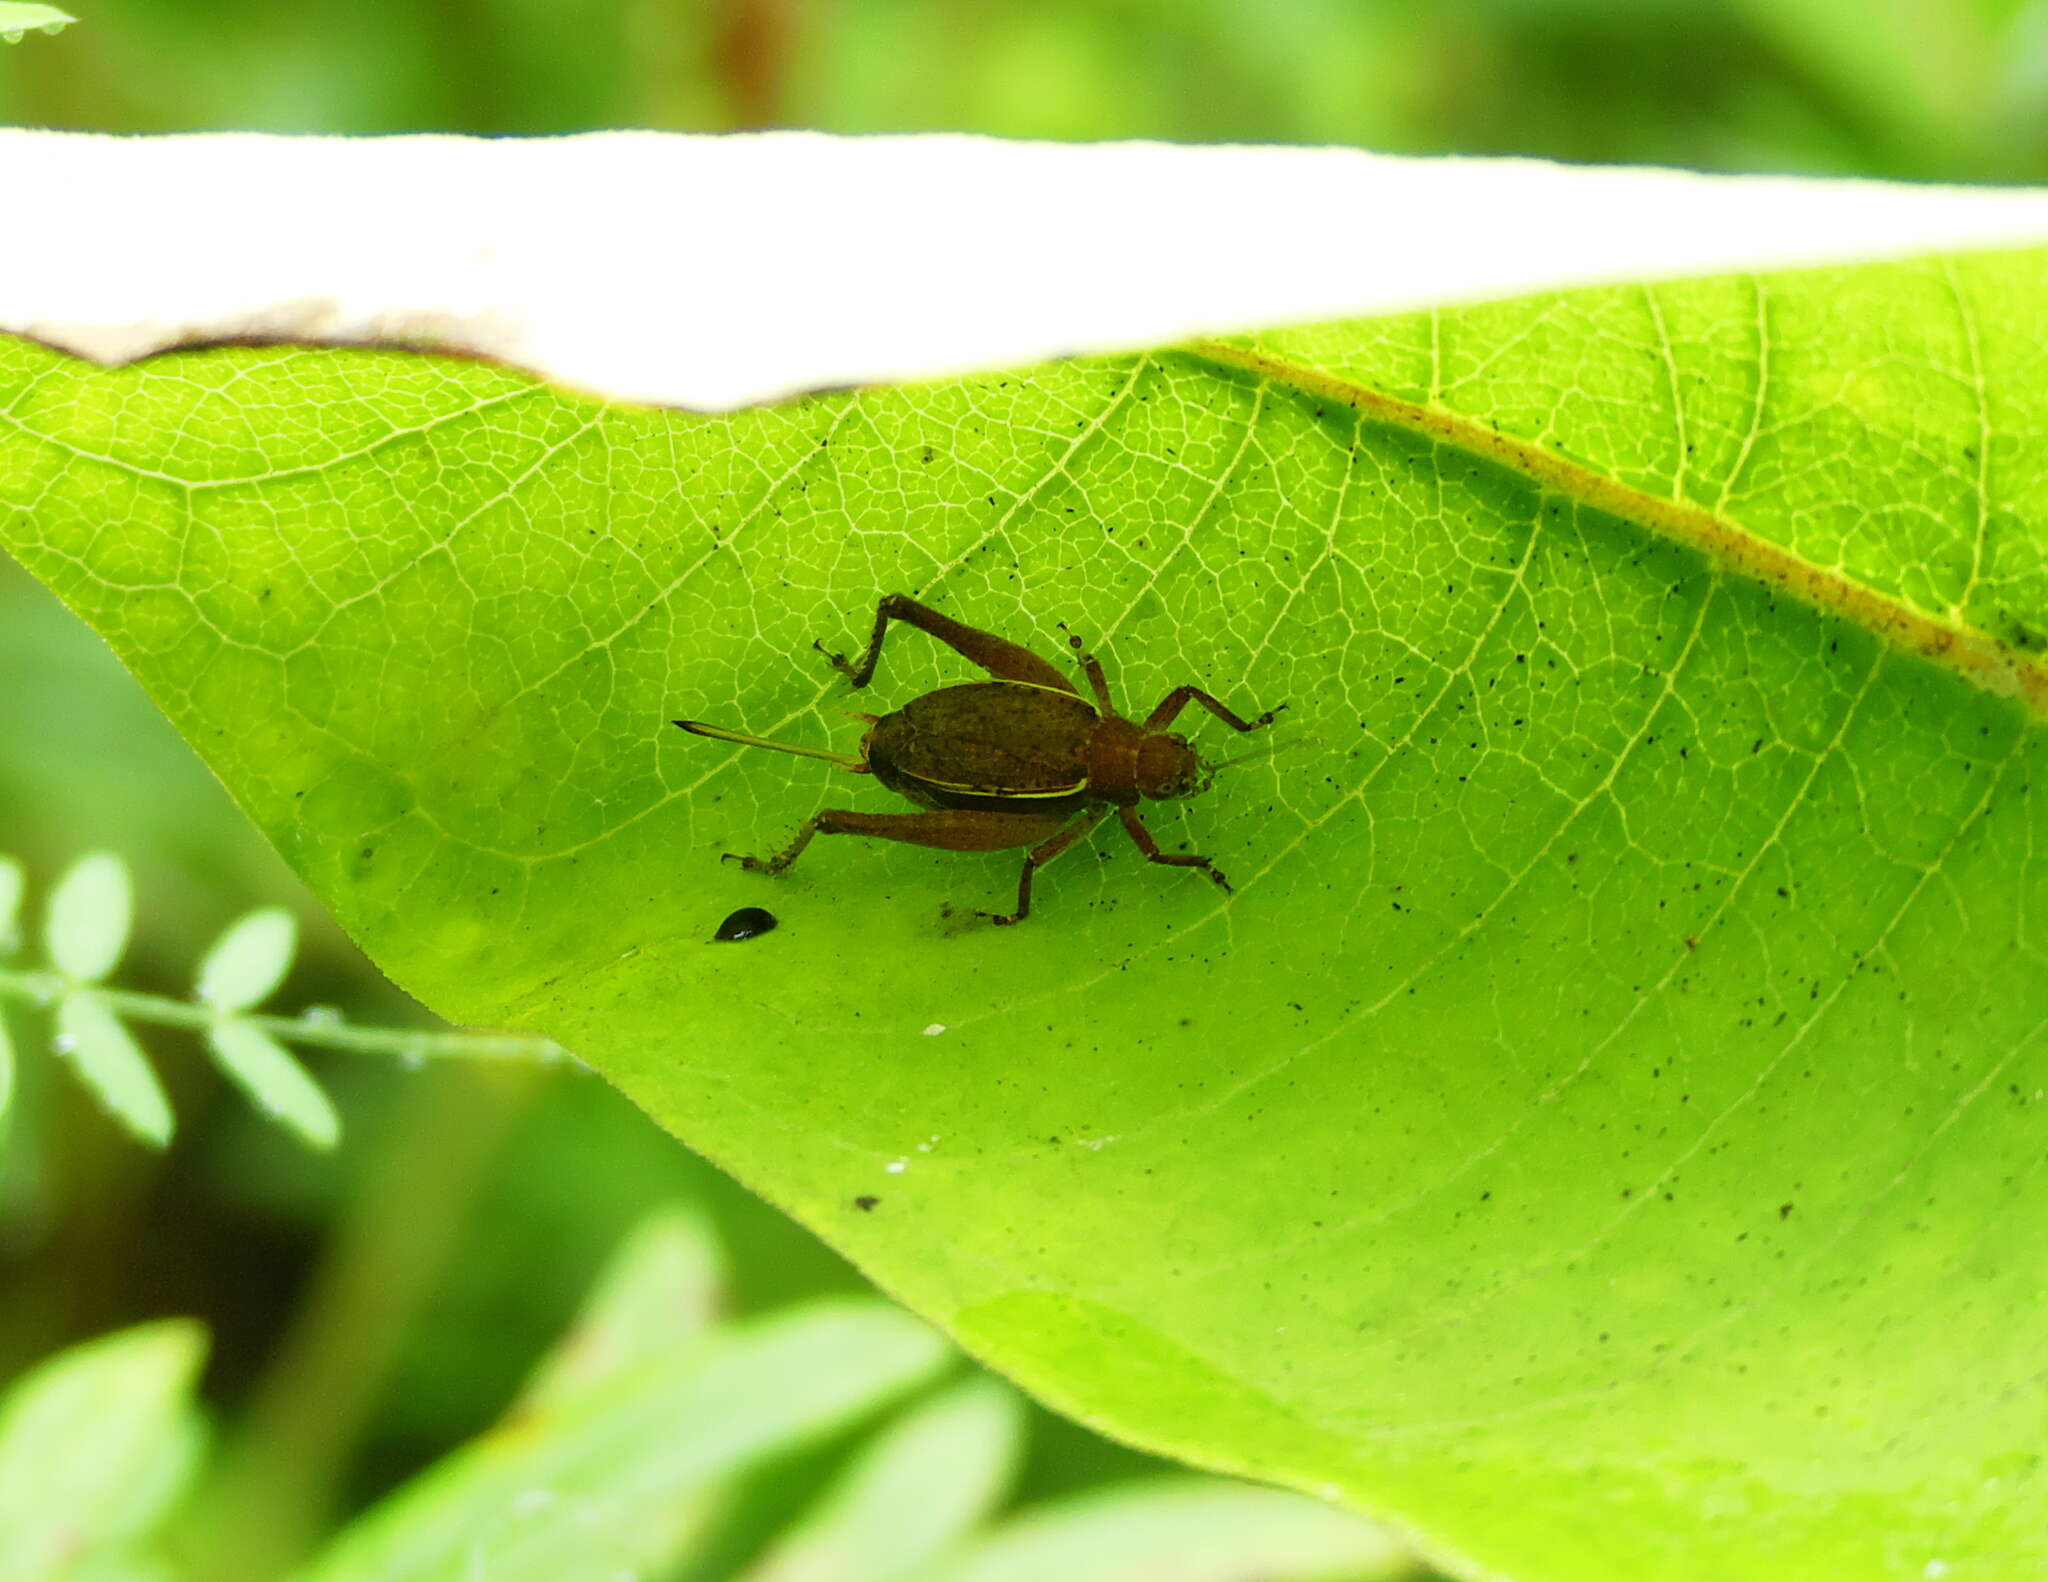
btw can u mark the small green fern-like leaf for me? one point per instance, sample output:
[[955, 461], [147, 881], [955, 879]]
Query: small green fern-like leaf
[[86, 928], [275, 1082], [249, 960], [112, 1064]]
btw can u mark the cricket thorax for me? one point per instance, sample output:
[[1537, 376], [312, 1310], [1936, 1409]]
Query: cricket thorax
[[985, 739]]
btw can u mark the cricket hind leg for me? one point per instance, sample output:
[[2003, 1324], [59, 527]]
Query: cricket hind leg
[[1004, 660], [952, 829], [1141, 837]]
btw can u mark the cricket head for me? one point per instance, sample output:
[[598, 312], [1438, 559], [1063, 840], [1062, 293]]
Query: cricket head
[[1168, 766]]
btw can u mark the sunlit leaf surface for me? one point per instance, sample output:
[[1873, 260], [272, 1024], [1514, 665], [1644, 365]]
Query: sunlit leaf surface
[[1600, 1132]]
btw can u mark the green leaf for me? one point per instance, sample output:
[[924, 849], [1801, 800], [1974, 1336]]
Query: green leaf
[[6, 1067], [86, 927], [17, 18], [1608, 1101], [1186, 1529], [1919, 75], [660, 1293], [96, 1445], [11, 886], [110, 1062], [249, 960], [275, 1082], [129, 1568], [923, 1485], [619, 1479]]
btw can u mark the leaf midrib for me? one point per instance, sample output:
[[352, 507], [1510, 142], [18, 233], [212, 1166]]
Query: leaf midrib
[[1985, 661]]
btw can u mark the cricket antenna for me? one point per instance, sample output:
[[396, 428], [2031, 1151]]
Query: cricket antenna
[[1266, 749], [719, 733]]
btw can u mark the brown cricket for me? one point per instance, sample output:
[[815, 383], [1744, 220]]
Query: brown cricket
[[1022, 760]]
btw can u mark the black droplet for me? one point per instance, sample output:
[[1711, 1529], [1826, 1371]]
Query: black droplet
[[749, 922]]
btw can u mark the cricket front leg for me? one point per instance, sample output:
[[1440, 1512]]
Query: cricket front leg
[[947, 830], [1142, 837], [1180, 697], [1004, 660]]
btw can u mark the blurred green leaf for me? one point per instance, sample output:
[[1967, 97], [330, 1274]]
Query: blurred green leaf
[[86, 927], [1829, 85], [95, 1446], [1921, 74], [11, 886], [619, 1478], [1183, 1530], [129, 1568], [6, 1066], [660, 1294], [1611, 1086], [249, 960], [924, 1484], [275, 1082], [110, 1063], [18, 19]]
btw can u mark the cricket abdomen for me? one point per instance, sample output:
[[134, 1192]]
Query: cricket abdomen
[[988, 744]]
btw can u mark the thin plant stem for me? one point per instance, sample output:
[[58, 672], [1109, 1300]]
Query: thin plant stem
[[309, 1028]]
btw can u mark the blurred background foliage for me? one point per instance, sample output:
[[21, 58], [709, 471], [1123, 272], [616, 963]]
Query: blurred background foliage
[[1929, 89], [373, 1307]]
